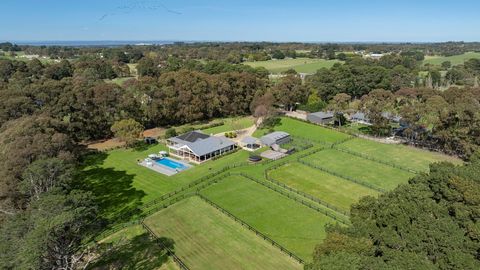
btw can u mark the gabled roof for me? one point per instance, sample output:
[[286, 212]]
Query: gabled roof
[[249, 140], [360, 116], [209, 145], [322, 115], [273, 137], [201, 144]]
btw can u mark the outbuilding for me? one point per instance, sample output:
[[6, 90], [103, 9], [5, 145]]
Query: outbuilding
[[277, 137], [250, 143], [321, 117], [361, 118]]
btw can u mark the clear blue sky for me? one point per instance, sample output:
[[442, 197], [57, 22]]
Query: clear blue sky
[[225, 20]]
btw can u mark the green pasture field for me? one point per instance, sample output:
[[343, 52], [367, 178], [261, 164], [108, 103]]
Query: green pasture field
[[230, 124], [291, 224], [205, 238], [301, 65], [334, 190], [364, 170], [455, 59], [406, 156], [305, 130], [122, 185]]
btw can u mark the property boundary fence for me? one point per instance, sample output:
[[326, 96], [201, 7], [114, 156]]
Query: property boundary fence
[[201, 183], [244, 224], [115, 229], [170, 252], [165, 205], [287, 194], [351, 179], [391, 164], [306, 195], [353, 136]]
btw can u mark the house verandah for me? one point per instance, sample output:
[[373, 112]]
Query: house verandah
[[199, 150]]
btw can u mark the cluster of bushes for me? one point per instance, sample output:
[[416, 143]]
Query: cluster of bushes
[[172, 132], [231, 135], [212, 125]]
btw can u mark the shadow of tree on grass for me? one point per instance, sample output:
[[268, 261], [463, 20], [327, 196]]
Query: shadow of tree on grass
[[113, 190], [140, 252]]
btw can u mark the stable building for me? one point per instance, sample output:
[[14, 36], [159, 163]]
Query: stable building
[[322, 118], [277, 137], [198, 147]]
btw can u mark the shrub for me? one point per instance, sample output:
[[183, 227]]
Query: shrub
[[127, 130], [171, 132], [271, 122]]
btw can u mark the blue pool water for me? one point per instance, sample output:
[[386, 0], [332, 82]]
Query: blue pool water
[[171, 164]]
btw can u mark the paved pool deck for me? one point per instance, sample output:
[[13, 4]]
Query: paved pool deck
[[164, 169]]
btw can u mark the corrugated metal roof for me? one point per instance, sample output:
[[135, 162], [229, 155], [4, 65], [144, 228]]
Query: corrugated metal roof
[[322, 115], [202, 144], [273, 137], [249, 140]]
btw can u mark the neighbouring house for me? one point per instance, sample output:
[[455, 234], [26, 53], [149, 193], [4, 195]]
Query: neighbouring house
[[198, 147], [321, 117], [361, 118], [375, 56], [392, 117], [250, 143], [277, 137]]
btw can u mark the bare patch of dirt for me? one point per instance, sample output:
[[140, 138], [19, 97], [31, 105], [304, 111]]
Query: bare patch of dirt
[[154, 132], [106, 144]]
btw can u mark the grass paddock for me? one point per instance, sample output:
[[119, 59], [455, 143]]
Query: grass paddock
[[364, 170], [334, 190], [301, 65], [405, 156], [205, 238], [291, 224]]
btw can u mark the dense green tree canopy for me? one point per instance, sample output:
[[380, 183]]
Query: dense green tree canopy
[[430, 223]]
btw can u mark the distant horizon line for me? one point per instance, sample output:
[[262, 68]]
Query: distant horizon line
[[171, 41]]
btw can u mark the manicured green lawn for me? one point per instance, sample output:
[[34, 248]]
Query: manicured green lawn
[[379, 175], [455, 59], [205, 238], [122, 185], [302, 65], [230, 124], [409, 157], [305, 130], [291, 224], [329, 188]]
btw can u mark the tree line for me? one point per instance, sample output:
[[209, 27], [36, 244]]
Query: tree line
[[429, 223]]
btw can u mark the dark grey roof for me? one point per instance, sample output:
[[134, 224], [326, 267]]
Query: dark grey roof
[[322, 115], [192, 136]]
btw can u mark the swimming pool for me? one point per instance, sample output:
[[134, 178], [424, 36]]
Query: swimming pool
[[172, 164]]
